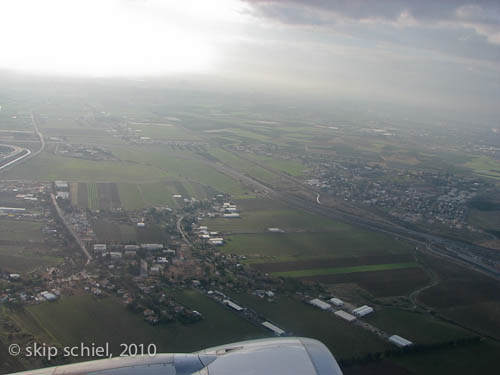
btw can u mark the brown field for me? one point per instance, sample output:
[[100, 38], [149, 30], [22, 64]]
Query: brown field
[[83, 199], [380, 283], [468, 297], [108, 196], [459, 286], [329, 262]]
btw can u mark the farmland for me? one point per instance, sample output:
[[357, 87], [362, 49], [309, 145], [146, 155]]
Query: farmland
[[343, 339], [343, 270], [20, 230], [73, 319], [416, 327]]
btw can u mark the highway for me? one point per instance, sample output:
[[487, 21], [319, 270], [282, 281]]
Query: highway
[[462, 252], [29, 154]]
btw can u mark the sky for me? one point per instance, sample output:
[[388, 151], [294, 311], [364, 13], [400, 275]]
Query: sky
[[441, 54]]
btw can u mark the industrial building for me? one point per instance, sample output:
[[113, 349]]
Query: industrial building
[[61, 185], [319, 303], [152, 246], [233, 305], [231, 216], [100, 247], [277, 331], [131, 247], [362, 311], [344, 315], [336, 302], [48, 296], [400, 341]]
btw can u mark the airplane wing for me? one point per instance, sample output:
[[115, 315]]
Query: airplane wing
[[276, 356]]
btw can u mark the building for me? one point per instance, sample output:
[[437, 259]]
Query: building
[[346, 316], [362, 311], [233, 305], [336, 302], [141, 225], [14, 276], [115, 255], [129, 254], [275, 230], [61, 185], [400, 341], [152, 246], [131, 247], [48, 296], [100, 247], [319, 303], [231, 216], [62, 195], [277, 331]]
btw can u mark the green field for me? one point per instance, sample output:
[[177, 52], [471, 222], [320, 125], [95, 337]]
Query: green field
[[93, 196], [25, 258], [485, 166], [21, 230], [72, 320], [342, 270], [416, 327], [290, 246], [343, 339]]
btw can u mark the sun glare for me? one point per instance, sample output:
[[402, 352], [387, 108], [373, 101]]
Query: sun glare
[[109, 37]]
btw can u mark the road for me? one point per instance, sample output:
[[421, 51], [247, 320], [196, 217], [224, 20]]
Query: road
[[70, 229], [467, 254], [181, 231], [29, 154]]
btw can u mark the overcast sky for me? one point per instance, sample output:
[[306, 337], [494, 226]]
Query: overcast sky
[[441, 53]]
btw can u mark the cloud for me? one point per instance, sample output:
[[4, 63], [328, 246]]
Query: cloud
[[481, 16]]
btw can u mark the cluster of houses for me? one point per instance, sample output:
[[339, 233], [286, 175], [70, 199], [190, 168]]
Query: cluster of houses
[[212, 238]]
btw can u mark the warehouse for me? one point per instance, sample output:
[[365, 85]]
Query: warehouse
[[231, 216], [48, 296], [152, 246], [346, 316], [278, 331], [336, 302], [99, 247], [233, 305], [400, 341], [362, 311], [131, 247], [319, 303]]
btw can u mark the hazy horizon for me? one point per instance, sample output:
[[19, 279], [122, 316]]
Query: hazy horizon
[[440, 56]]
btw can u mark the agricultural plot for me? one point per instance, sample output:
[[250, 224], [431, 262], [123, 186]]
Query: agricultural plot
[[25, 258], [93, 196], [343, 339], [390, 283], [345, 270], [271, 247], [20, 230], [416, 327], [465, 296], [72, 320]]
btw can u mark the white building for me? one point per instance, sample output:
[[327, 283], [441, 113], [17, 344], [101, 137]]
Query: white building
[[99, 247], [362, 311], [152, 246], [346, 316], [48, 296], [319, 303], [131, 247], [400, 341], [231, 216], [233, 305], [336, 302], [278, 331]]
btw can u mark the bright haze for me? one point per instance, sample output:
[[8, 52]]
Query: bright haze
[[427, 53]]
